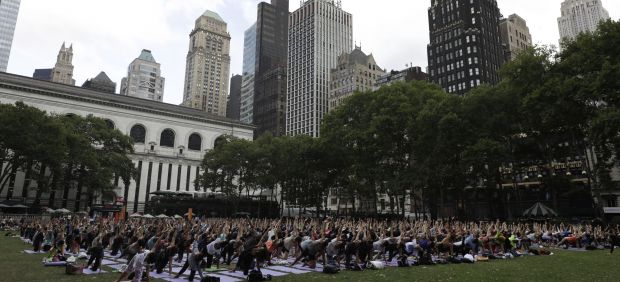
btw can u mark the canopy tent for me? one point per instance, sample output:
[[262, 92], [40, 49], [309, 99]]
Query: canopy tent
[[539, 209], [135, 215], [177, 216], [162, 216], [147, 216], [48, 210]]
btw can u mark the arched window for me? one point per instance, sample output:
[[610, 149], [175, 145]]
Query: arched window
[[109, 123], [138, 133], [195, 142], [221, 140], [167, 138]]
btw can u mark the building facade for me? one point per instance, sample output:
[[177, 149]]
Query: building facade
[[355, 71], [247, 84], [580, 16], [63, 70], [515, 36], [42, 74], [465, 47], [234, 98], [319, 31], [170, 141], [408, 74], [8, 18], [207, 70], [144, 78], [269, 110], [101, 83]]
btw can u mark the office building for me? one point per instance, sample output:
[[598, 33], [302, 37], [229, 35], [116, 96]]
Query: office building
[[101, 83], [579, 16], [247, 83], [465, 48], [63, 70], [144, 78], [269, 111], [207, 70], [515, 36], [406, 75], [8, 18], [234, 98], [319, 31]]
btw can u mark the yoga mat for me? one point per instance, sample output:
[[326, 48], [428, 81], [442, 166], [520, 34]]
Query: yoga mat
[[288, 269], [56, 263], [222, 277], [162, 275], [238, 274], [108, 262], [115, 266], [176, 269], [273, 273], [88, 271], [30, 252], [179, 279]]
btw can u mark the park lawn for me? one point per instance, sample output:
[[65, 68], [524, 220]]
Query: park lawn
[[562, 266]]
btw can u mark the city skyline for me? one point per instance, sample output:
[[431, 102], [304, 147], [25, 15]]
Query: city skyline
[[100, 45]]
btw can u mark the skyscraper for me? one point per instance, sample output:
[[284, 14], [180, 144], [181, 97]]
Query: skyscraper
[[144, 78], [247, 83], [234, 97], [63, 70], [318, 32], [580, 16], [269, 111], [8, 17], [515, 36], [465, 48], [101, 83], [208, 65], [355, 71]]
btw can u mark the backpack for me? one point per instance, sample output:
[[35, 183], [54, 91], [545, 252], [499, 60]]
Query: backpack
[[210, 279], [331, 269], [255, 276], [73, 269], [402, 261]]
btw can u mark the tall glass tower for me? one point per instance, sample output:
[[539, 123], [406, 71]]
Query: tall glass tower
[[319, 31], [8, 17]]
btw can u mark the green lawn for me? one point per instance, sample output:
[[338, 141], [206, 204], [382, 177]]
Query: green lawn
[[562, 266]]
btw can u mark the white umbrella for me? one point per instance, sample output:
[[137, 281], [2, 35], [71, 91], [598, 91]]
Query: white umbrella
[[48, 210], [19, 206], [177, 216], [135, 215], [62, 211], [3, 206], [147, 216], [162, 216]]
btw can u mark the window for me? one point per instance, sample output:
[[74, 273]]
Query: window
[[167, 138], [137, 133], [195, 142]]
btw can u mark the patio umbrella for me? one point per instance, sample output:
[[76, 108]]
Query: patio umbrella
[[177, 216], [48, 210], [4, 206], [19, 207], [147, 216], [135, 215], [63, 211], [539, 209], [162, 216]]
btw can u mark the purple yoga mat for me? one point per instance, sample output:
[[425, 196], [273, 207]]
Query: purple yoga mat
[[272, 272], [288, 269], [88, 271]]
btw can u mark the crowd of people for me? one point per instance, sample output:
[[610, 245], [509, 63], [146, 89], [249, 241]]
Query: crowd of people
[[249, 244]]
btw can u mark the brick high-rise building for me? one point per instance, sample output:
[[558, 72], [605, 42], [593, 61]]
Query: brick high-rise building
[[465, 49], [208, 65], [515, 36]]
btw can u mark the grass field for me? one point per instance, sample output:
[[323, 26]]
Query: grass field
[[562, 266]]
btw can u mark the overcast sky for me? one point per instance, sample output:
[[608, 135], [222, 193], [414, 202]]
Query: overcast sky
[[108, 34]]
